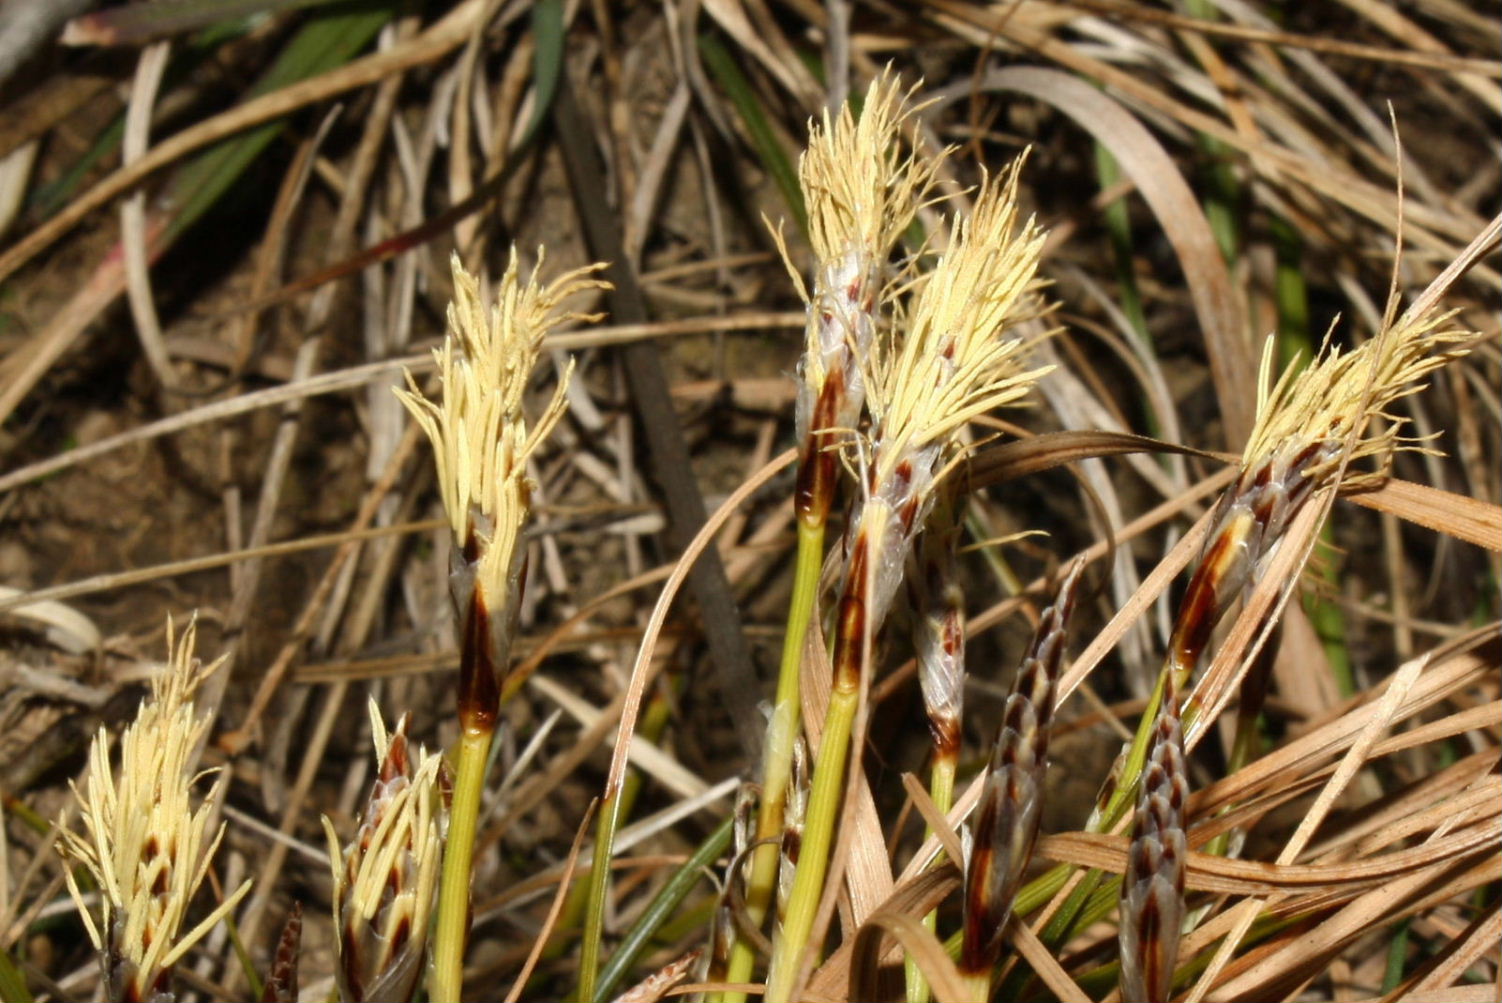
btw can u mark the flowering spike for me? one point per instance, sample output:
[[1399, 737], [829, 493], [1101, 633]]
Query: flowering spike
[[385, 877], [146, 847], [861, 195], [1006, 821]]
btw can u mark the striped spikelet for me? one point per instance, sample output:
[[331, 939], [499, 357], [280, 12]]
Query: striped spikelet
[[1305, 424], [1005, 824], [384, 879], [146, 846], [1152, 890]]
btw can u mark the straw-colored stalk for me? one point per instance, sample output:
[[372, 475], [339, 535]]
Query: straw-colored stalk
[[953, 365], [1005, 823], [481, 441], [145, 845], [861, 195], [1310, 424], [1152, 889], [385, 878]]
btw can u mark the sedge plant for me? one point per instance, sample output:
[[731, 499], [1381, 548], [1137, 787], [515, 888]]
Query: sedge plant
[[953, 364], [860, 194], [481, 440], [1312, 424]]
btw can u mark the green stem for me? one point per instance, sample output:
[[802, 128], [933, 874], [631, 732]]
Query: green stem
[[661, 907], [599, 884], [782, 734], [813, 856], [941, 793], [446, 979]]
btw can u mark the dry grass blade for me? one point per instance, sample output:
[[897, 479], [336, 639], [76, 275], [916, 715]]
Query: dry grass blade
[[919, 943], [433, 44], [1464, 518]]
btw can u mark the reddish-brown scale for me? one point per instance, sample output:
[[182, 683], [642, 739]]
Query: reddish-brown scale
[[396, 764], [401, 935], [814, 493], [974, 956], [952, 637], [479, 692], [281, 979], [1196, 617], [353, 967], [851, 627], [1151, 932], [946, 735], [792, 842]]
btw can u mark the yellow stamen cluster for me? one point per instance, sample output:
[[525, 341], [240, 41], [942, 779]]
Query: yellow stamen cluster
[[481, 438], [1338, 393], [385, 878], [861, 194], [953, 365], [145, 845]]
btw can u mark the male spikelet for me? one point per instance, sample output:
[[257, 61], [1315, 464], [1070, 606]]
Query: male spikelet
[[481, 440], [1310, 423], [384, 879], [861, 194], [145, 845], [1305, 422], [951, 366]]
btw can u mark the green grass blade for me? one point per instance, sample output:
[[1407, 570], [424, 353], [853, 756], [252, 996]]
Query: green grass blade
[[774, 159], [331, 39], [547, 59], [661, 908], [12, 982]]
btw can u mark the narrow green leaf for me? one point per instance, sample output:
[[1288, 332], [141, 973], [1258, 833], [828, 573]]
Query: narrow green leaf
[[661, 907], [774, 159], [331, 39], [547, 60], [12, 982]]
